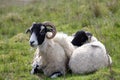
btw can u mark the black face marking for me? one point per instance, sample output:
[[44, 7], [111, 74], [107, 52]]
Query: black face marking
[[80, 38], [39, 32]]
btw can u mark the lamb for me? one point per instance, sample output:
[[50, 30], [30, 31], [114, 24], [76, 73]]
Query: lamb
[[89, 55], [50, 56]]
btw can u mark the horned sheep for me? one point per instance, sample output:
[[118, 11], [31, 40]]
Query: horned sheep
[[50, 56]]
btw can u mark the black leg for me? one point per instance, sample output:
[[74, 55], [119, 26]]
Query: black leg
[[35, 70]]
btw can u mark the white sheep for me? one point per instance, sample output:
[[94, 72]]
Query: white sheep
[[50, 56], [90, 54]]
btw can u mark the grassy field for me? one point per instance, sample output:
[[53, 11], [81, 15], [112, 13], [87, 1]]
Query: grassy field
[[100, 17]]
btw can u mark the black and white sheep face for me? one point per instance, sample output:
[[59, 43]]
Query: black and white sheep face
[[38, 32], [81, 37]]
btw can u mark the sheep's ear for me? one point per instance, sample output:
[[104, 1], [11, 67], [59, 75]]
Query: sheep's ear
[[28, 30], [89, 34]]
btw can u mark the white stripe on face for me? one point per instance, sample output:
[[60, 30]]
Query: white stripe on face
[[42, 27], [33, 40]]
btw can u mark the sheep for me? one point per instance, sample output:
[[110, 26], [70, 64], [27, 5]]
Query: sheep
[[50, 56], [65, 41], [89, 55]]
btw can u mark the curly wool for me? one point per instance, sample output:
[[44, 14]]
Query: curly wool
[[89, 57]]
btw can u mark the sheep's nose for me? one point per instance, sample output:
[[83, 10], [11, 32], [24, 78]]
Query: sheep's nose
[[31, 43]]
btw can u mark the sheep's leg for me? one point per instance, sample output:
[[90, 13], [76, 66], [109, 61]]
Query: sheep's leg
[[56, 74], [37, 64], [35, 69]]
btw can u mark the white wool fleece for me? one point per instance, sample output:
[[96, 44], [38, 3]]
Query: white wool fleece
[[89, 58]]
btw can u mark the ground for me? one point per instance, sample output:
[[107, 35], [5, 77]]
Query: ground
[[100, 17]]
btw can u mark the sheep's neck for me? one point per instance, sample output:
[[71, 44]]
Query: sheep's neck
[[44, 49]]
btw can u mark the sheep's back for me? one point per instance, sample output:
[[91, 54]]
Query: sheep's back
[[65, 41], [88, 58]]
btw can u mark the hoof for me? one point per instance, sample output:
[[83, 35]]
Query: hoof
[[56, 74], [35, 69]]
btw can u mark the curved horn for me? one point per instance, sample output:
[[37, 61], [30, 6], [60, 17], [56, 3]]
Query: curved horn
[[49, 24]]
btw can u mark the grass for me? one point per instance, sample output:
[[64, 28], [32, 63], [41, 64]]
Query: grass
[[101, 17]]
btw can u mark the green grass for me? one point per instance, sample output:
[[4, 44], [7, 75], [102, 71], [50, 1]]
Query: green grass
[[101, 17]]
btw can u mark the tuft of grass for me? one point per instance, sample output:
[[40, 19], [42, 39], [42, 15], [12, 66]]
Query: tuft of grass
[[96, 9], [13, 17], [112, 5], [20, 38]]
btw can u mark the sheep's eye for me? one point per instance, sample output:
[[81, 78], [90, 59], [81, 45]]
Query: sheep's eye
[[42, 31]]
